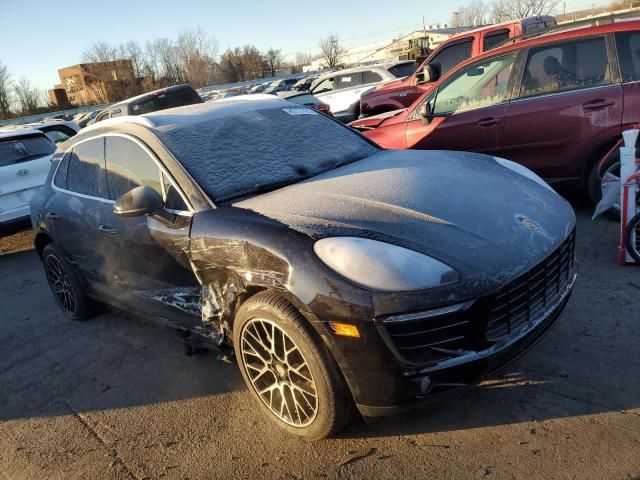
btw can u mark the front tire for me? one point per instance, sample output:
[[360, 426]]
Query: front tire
[[65, 285], [292, 378]]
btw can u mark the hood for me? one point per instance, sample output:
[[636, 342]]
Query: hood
[[374, 121], [392, 84], [464, 209]]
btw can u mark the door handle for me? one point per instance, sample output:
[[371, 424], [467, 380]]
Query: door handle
[[598, 104], [107, 229], [22, 172], [53, 216], [488, 122]]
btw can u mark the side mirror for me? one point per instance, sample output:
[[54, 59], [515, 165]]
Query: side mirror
[[426, 113], [138, 202], [428, 74]]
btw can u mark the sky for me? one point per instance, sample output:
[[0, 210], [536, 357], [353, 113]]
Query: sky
[[38, 37]]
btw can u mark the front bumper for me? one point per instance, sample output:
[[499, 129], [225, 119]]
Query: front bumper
[[464, 370]]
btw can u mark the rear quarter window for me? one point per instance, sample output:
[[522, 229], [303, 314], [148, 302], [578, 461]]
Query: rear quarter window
[[403, 70]]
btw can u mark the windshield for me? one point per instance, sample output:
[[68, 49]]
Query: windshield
[[20, 149], [175, 98], [260, 149]]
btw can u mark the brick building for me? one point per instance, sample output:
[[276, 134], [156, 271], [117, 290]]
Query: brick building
[[101, 82]]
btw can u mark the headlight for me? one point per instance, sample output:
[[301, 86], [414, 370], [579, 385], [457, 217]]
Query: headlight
[[382, 266], [516, 167]]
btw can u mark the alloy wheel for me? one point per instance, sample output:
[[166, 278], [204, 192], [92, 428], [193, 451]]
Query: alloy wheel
[[61, 285], [278, 372]]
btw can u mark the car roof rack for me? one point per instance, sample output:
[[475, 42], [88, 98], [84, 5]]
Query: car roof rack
[[578, 24]]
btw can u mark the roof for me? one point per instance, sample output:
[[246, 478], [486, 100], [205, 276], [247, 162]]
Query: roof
[[179, 117], [17, 132], [360, 68], [149, 95]]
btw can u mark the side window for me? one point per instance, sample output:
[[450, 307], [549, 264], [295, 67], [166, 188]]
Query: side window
[[130, 166], [103, 116], [348, 80], [369, 76], [493, 39], [60, 179], [567, 66], [628, 46], [324, 86], [451, 56], [85, 172], [480, 85]]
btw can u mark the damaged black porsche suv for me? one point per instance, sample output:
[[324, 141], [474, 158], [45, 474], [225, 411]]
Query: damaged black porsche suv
[[341, 274]]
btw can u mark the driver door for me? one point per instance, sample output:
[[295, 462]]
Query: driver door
[[468, 110], [146, 258]]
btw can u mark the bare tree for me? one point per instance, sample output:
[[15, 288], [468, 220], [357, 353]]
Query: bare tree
[[5, 91], [503, 10], [197, 51], [331, 50], [273, 61], [474, 13], [133, 52], [303, 59], [100, 51], [29, 97]]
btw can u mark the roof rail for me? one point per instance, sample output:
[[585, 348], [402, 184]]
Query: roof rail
[[583, 23]]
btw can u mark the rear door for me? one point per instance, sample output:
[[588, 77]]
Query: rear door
[[468, 110], [628, 48], [24, 164], [347, 91], [147, 258], [568, 104], [73, 212]]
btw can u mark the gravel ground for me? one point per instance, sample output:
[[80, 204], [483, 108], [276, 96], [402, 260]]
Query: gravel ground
[[115, 398]]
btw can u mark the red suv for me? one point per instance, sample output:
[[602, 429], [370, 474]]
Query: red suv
[[555, 104], [402, 93]]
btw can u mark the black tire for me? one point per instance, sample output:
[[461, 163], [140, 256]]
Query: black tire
[[633, 249], [314, 420], [593, 186], [74, 303]]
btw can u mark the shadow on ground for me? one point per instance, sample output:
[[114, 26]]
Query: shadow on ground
[[50, 366]]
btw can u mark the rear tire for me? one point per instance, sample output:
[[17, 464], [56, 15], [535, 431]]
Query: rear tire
[[611, 166], [65, 286], [290, 375], [633, 247]]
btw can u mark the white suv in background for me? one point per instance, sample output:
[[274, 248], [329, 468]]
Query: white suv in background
[[25, 157], [342, 89]]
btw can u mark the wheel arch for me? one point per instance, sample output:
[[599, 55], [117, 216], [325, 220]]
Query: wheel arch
[[42, 240], [594, 158]]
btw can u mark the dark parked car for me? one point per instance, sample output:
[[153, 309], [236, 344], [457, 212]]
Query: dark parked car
[[278, 231], [170, 97], [555, 104], [304, 84], [280, 85], [306, 99]]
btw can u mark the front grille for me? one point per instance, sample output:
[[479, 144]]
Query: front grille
[[526, 298], [490, 319]]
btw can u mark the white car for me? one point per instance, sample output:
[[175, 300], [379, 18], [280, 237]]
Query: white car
[[58, 131], [342, 89], [25, 157]]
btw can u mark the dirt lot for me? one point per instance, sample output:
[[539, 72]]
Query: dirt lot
[[117, 398]]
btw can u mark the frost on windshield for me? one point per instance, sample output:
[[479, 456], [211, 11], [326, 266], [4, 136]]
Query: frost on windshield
[[236, 154]]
